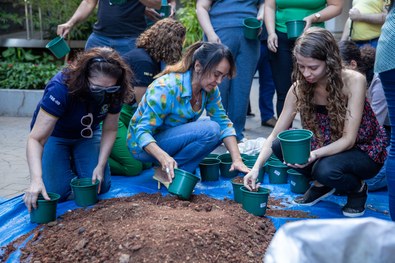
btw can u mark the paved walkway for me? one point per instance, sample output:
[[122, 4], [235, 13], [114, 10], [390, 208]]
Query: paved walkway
[[14, 173]]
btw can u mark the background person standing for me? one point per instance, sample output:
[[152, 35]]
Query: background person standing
[[277, 13], [222, 22], [118, 24]]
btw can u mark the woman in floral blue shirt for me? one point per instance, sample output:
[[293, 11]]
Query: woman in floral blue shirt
[[165, 127]]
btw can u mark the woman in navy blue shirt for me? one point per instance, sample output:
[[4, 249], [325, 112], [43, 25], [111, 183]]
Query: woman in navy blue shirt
[[65, 140]]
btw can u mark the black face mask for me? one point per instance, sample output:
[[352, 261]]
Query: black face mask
[[98, 97]]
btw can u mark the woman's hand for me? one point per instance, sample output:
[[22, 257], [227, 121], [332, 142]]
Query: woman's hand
[[168, 164], [98, 174], [272, 42], [31, 194], [214, 38], [238, 165], [250, 180], [354, 14], [151, 14], [309, 21]]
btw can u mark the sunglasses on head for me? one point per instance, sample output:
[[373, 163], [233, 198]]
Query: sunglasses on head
[[97, 88]]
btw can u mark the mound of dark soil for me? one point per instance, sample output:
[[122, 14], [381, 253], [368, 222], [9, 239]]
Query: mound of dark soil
[[154, 228]]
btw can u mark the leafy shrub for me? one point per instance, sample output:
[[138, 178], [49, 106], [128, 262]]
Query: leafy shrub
[[21, 69], [26, 75], [187, 16], [53, 12]]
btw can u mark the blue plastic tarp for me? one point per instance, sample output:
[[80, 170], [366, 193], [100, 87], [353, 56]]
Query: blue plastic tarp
[[15, 219]]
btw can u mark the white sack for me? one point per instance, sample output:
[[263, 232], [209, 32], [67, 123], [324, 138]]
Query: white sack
[[359, 240]]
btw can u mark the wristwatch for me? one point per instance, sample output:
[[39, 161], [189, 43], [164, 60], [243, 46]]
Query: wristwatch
[[317, 17]]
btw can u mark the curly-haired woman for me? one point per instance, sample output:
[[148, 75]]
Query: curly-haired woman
[[161, 43], [348, 145], [65, 139]]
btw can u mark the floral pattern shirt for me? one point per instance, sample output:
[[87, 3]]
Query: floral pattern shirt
[[371, 137], [166, 104]]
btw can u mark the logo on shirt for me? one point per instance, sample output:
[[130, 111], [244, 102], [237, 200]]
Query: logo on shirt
[[104, 109], [54, 100]]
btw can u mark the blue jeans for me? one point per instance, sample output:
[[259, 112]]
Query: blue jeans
[[281, 66], [188, 144], [64, 159], [266, 85], [121, 45], [388, 82], [235, 93], [371, 42]]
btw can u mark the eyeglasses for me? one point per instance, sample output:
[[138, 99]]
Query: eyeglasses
[[96, 88], [87, 121]]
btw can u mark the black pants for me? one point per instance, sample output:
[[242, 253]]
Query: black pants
[[281, 66], [343, 171]]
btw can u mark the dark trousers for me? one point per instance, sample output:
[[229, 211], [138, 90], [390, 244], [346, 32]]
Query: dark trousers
[[343, 171], [266, 84], [281, 66]]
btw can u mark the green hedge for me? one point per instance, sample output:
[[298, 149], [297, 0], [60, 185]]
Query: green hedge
[[187, 16], [26, 75]]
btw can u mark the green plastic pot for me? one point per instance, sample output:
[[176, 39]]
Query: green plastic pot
[[255, 202], [212, 155], [298, 182], [85, 193], [46, 210], [251, 28], [164, 11], [209, 169], [295, 145], [226, 163], [261, 174], [58, 46], [117, 2], [183, 184], [295, 28], [244, 156], [249, 163], [237, 194], [277, 172], [250, 157], [273, 158]]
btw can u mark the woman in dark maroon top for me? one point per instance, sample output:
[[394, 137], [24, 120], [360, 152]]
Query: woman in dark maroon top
[[348, 145]]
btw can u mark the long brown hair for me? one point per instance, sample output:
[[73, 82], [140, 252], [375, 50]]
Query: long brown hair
[[163, 40], [209, 56], [319, 43], [101, 61]]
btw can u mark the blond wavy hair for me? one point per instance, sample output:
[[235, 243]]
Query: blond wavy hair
[[319, 43], [163, 40]]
